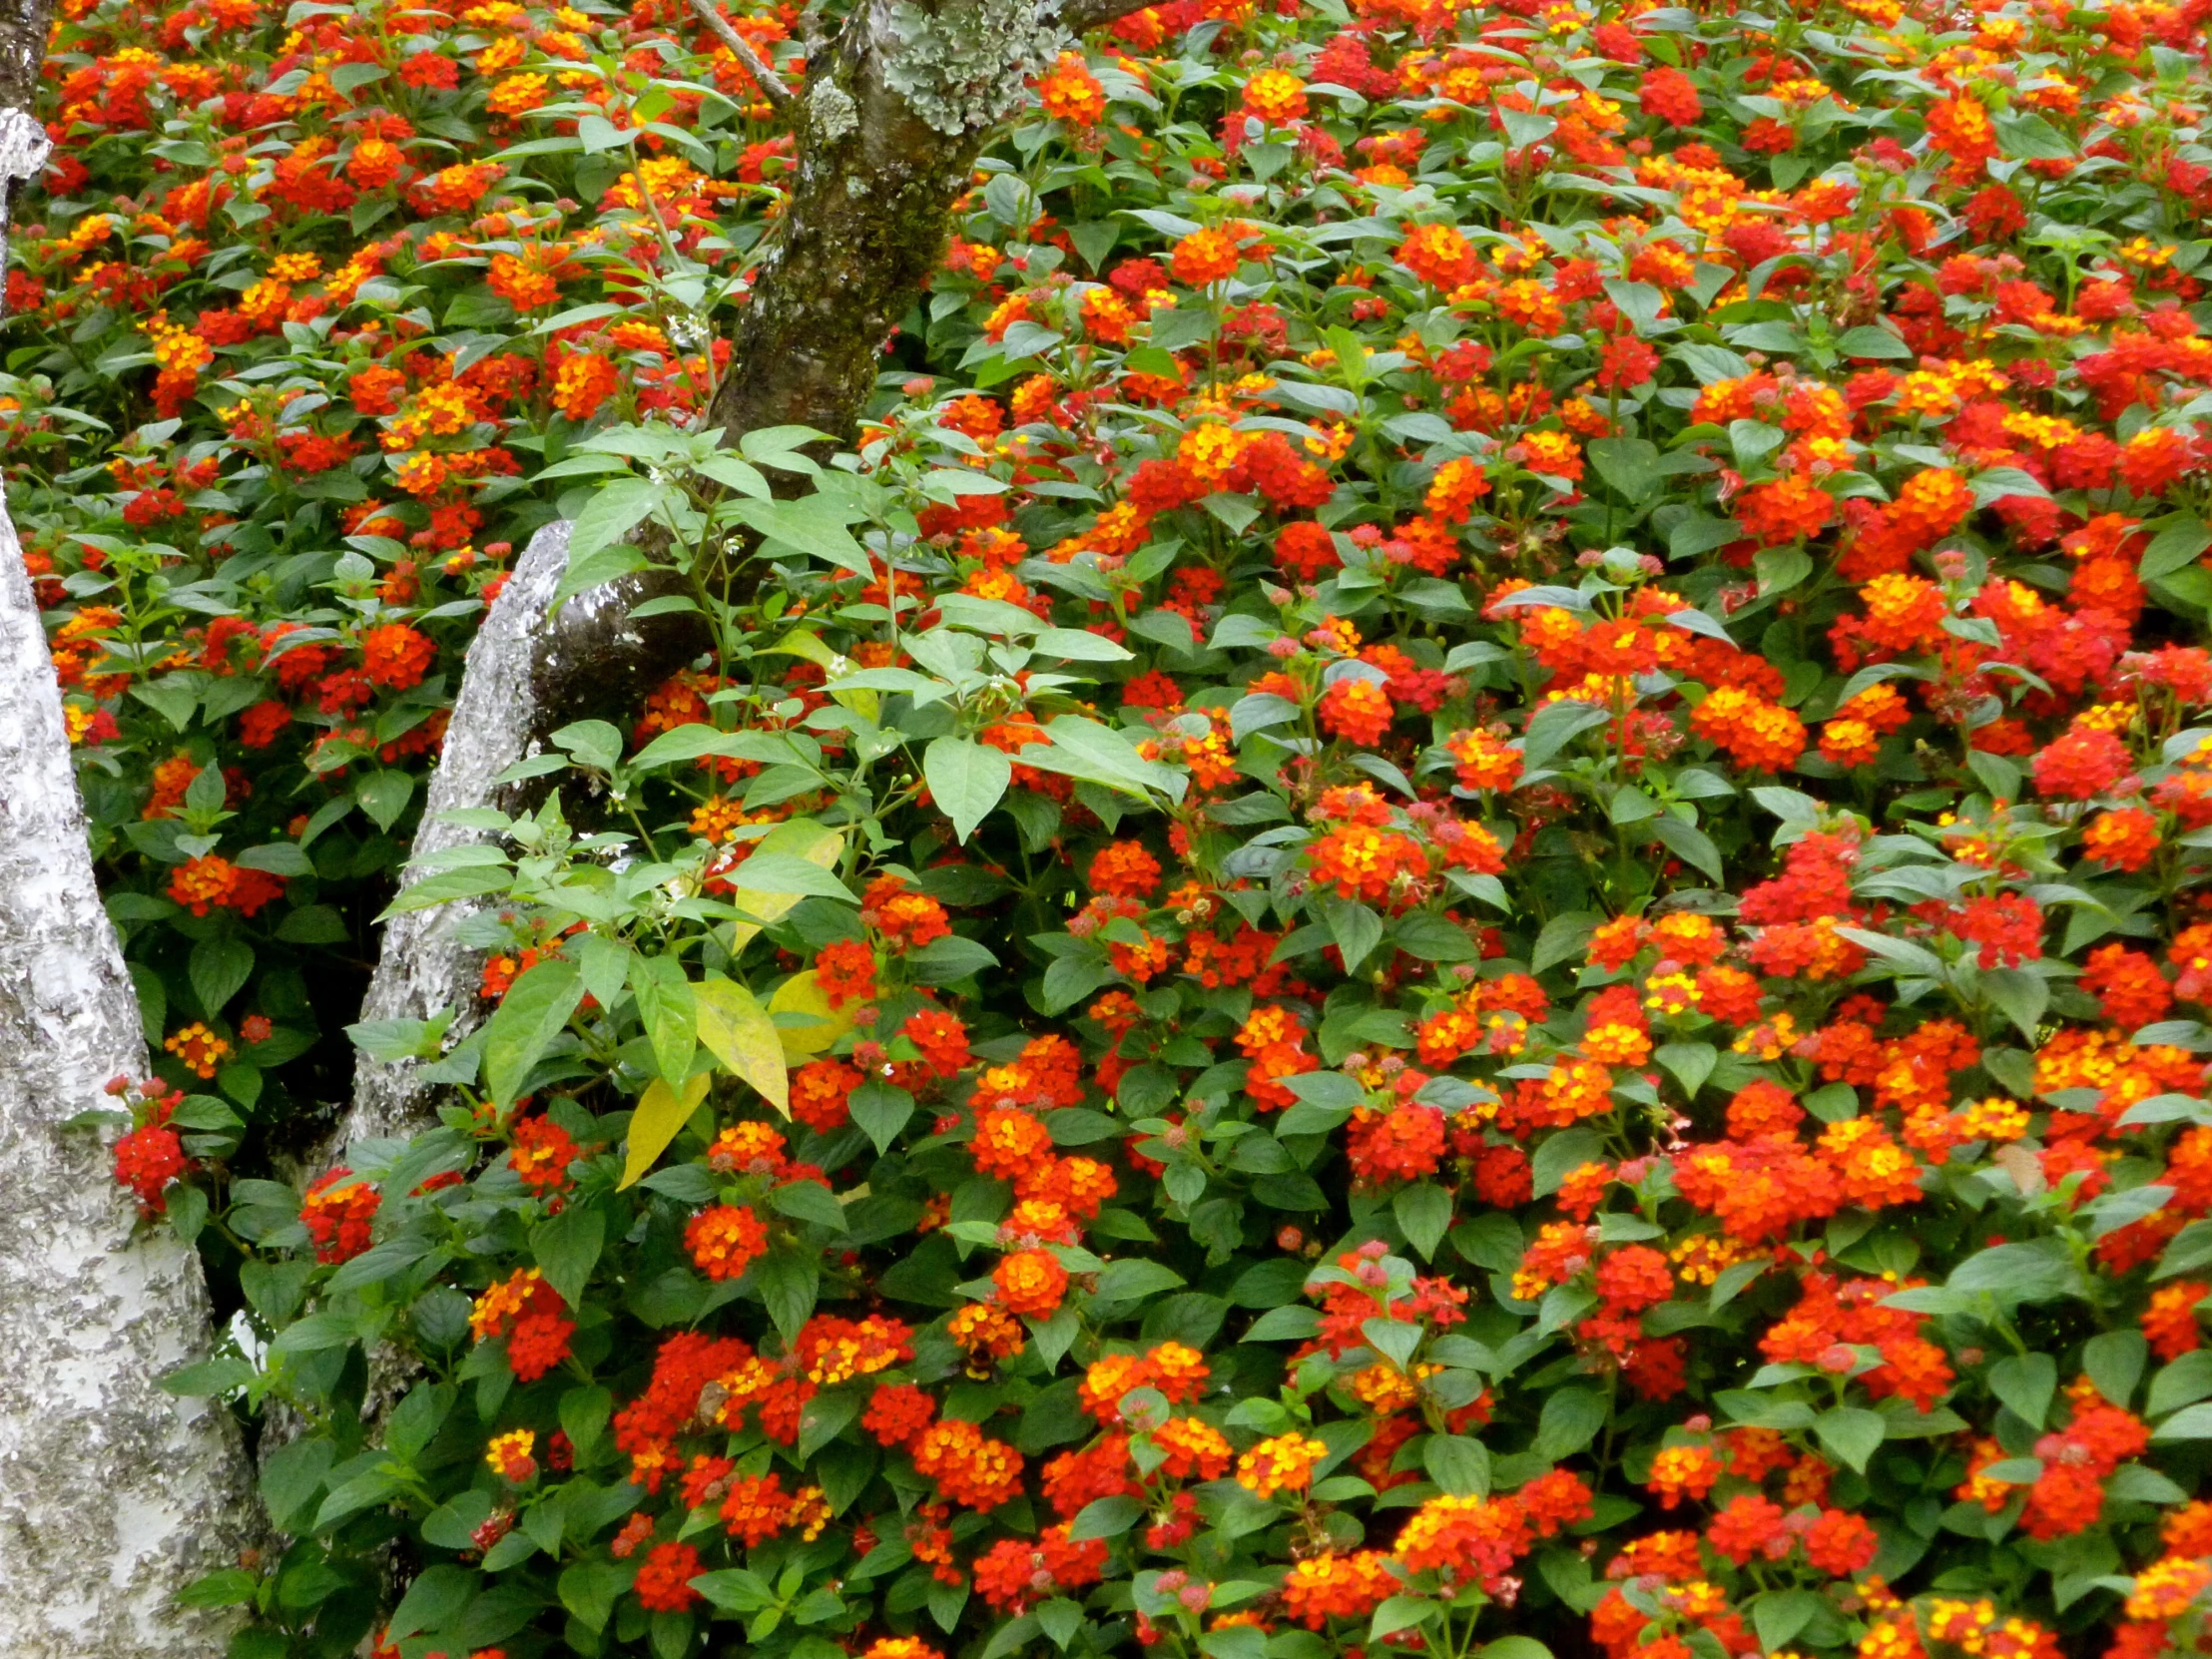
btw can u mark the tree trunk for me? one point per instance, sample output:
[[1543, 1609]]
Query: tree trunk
[[23, 143], [899, 110], [528, 674], [113, 1494], [896, 112], [23, 26]]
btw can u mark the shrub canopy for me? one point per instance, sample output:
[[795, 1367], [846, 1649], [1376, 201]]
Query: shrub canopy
[[1452, 899]]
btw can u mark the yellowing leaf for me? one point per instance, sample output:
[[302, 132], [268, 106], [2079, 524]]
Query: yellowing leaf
[[800, 994], [800, 642], [660, 1114], [740, 1033], [801, 838]]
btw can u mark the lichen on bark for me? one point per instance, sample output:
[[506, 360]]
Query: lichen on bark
[[963, 67]]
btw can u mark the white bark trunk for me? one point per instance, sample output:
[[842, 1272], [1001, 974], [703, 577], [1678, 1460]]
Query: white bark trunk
[[113, 1494], [527, 675], [420, 967]]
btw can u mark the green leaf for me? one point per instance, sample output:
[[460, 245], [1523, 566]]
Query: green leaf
[[1554, 726], [1135, 1280], [1691, 1063], [615, 508], [801, 838], [1870, 340], [1570, 1421], [536, 1010], [291, 1476], [2114, 1363], [208, 1377], [1355, 928], [2187, 1379], [1084, 748], [2027, 1383], [1522, 128], [588, 1589], [591, 743], [1780, 1616], [809, 1201], [967, 778], [1106, 1517], [829, 1414], [783, 875], [669, 1011], [814, 526], [2193, 1422], [1851, 1434], [735, 1590], [171, 700], [1460, 1464], [598, 567], [566, 1249], [1562, 1154], [2037, 1270], [383, 796], [1080, 646], [225, 1587], [788, 1282], [218, 969], [1423, 1212], [1631, 805], [1563, 938], [2136, 1483], [1689, 843], [454, 1523], [2030, 137], [1399, 1613], [2176, 547], [943, 961], [208, 791], [444, 888], [881, 1112], [1630, 465], [432, 1601], [2020, 996], [1781, 568], [604, 963], [278, 858]]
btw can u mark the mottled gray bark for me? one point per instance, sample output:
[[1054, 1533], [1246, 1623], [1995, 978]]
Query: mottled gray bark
[[23, 26], [528, 674], [899, 107], [113, 1494]]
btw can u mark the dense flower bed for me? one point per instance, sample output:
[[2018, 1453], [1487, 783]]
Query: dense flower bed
[[1454, 901]]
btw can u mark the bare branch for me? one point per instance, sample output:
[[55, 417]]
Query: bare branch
[[1082, 16], [771, 84]]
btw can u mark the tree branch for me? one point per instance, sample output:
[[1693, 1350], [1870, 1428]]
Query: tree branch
[[1082, 16], [771, 84]]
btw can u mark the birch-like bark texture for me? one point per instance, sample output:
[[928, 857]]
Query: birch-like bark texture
[[528, 674], [113, 1494]]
